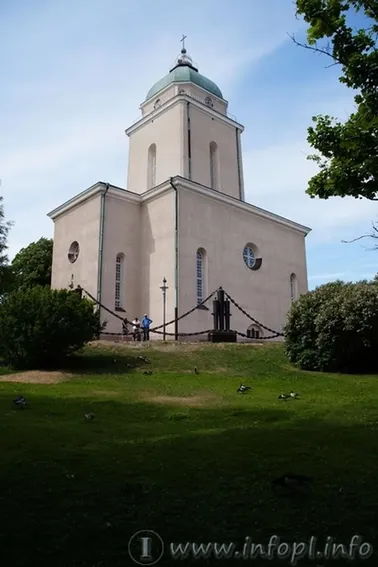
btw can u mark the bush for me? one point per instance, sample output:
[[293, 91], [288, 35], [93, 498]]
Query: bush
[[335, 328], [39, 327]]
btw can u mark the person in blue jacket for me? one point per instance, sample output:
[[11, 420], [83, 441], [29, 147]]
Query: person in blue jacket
[[146, 322]]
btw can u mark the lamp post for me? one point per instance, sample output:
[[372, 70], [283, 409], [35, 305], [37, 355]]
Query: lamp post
[[164, 288]]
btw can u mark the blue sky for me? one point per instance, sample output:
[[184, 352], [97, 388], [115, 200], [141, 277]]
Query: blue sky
[[74, 72]]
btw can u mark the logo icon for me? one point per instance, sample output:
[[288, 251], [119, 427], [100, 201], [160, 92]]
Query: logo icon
[[146, 547]]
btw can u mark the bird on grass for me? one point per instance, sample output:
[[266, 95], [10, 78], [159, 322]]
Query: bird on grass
[[243, 389], [291, 480], [20, 402], [283, 397], [144, 359], [196, 370], [294, 394], [89, 416], [149, 372]]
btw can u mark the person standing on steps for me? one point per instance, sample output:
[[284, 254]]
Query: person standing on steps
[[146, 322], [136, 329]]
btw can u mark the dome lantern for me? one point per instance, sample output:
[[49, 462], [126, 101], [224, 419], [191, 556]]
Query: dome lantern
[[184, 72]]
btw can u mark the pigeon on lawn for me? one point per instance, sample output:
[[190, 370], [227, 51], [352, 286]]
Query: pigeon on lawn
[[149, 372], [291, 480], [294, 394], [283, 397], [243, 389], [196, 370], [89, 416], [20, 402]]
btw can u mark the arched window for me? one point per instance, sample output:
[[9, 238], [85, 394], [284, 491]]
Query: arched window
[[151, 178], [119, 299], [200, 275], [254, 332], [293, 287], [213, 165]]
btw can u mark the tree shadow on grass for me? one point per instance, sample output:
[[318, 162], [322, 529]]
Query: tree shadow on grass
[[90, 363], [74, 492], [102, 363]]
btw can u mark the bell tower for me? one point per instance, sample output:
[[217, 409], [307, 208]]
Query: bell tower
[[185, 130]]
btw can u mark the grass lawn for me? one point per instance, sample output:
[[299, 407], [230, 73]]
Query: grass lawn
[[182, 454]]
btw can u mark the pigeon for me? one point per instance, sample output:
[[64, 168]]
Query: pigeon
[[243, 389], [149, 372], [20, 402], [196, 370], [294, 394], [291, 480], [283, 397], [89, 416]]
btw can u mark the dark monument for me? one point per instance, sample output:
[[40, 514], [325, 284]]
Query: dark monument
[[222, 315], [79, 291]]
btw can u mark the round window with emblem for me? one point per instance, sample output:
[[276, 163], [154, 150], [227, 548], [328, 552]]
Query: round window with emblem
[[73, 252], [249, 256]]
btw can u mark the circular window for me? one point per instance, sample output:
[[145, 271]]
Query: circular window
[[249, 256], [73, 252]]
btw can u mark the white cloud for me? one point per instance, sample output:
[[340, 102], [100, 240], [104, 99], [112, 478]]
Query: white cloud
[[277, 175], [276, 178], [345, 276], [333, 276]]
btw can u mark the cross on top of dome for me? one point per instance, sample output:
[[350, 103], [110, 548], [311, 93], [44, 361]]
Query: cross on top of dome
[[184, 59]]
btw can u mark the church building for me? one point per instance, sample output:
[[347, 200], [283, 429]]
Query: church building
[[182, 218]]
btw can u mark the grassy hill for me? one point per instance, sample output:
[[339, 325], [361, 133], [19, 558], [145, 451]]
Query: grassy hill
[[182, 454]]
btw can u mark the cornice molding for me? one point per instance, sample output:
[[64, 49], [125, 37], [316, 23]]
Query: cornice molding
[[165, 187], [241, 205], [180, 99], [179, 84], [96, 189]]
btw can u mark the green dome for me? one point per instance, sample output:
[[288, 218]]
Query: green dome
[[184, 72]]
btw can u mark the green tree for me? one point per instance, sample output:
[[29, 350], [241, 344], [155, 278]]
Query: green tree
[[346, 152], [334, 328], [40, 327], [5, 272], [32, 265]]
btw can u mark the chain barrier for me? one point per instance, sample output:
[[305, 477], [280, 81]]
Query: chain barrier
[[276, 333], [197, 333], [257, 339], [104, 307], [154, 329], [168, 334]]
